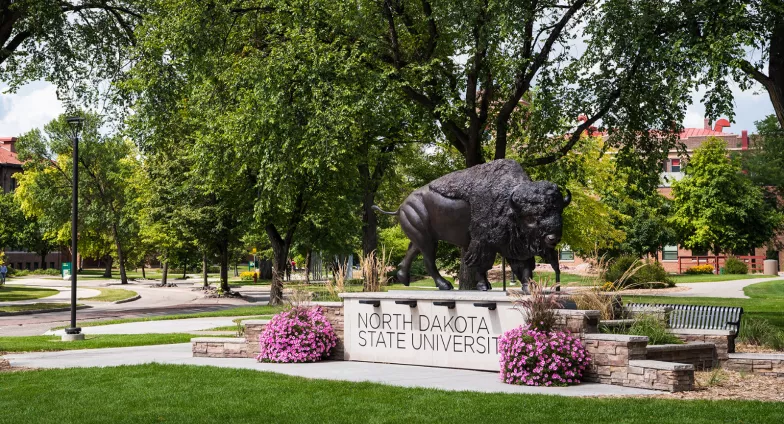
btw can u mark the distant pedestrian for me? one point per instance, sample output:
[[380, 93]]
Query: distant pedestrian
[[3, 272]]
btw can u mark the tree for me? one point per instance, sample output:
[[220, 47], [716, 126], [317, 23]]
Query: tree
[[717, 207], [73, 44], [107, 165], [20, 231], [765, 160], [491, 73], [727, 31]]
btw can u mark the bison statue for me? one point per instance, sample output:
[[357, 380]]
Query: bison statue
[[486, 210]]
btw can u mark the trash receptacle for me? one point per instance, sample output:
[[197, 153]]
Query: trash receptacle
[[770, 267]]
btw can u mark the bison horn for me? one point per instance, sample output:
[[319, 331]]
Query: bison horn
[[512, 204], [567, 198]]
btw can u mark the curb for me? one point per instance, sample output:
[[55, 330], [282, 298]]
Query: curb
[[41, 311], [130, 299]]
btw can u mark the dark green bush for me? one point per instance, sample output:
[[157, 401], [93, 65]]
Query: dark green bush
[[734, 265], [650, 274]]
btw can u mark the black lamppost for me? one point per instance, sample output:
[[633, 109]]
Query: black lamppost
[[74, 332]]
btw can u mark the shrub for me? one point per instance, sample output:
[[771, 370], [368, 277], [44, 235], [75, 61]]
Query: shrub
[[536, 358], [50, 271], [734, 265], [630, 272], [651, 327], [301, 334], [760, 332], [247, 275], [700, 269]]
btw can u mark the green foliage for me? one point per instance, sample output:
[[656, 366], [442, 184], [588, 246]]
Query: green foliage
[[717, 207], [652, 327], [734, 265], [760, 332], [764, 161], [648, 274]]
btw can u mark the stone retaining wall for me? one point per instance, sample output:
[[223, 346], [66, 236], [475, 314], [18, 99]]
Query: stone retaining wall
[[771, 364], [219, 347], [576, 321], [701, 355], [724, 340], [621, 360]]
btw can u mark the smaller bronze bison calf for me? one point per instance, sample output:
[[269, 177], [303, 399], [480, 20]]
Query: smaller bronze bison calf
[[487, 209]]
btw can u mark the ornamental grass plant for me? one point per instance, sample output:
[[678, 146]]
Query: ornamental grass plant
[[300, 334]]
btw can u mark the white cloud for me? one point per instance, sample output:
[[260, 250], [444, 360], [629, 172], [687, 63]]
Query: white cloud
[[750, 106], [33, 106]]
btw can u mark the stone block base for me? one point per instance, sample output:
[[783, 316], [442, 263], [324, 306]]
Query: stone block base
[[701, 355], [724, 340], [771, 364], [219, 347], [658, 375]]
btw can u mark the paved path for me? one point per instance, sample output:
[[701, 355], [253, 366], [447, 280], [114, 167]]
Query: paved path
[[395, 375], [727, 289], [157, 327], [64, 296]]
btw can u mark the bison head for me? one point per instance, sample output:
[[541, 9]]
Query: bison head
[[538, 207]]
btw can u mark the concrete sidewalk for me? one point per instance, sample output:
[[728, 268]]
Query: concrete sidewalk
[[726, 289], [157, 327], [394, 375]]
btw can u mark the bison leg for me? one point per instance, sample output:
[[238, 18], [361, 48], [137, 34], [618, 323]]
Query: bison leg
[[485, 263], [524, 270], [551, 257], [413, 222], [404, 274]]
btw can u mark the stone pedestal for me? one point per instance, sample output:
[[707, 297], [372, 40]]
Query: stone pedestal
[[452, 329], [73, 337]]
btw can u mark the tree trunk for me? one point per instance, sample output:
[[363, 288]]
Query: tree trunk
[[144, 275], [776, 68], [308, 252], [236, 269], [107, 272], [120, 255], [369, 224], [204, 269], [165, 275], [224, 267], [467, 280], [185, 269], [43, 260], [280, 252]]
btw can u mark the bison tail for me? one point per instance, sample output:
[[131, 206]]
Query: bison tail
[[385, 212]]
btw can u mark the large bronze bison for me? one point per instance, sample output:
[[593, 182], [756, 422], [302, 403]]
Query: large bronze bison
[[487, 209]]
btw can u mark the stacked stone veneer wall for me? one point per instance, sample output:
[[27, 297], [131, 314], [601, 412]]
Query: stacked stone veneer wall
[[724, 340], [771, 364], [219, 347], [332, 310], [576, 321], [701, 355], [621, 360]]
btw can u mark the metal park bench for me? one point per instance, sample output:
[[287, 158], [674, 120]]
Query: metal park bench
[[695, 317]]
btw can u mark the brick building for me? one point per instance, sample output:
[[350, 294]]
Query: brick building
[[19, 259], [692, 138]]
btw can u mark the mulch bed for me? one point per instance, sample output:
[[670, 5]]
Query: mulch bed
[[723, 384]]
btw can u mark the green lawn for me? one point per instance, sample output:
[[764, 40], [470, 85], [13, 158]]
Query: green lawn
[[767, 301], [34, 307], [177, 394], [710, 278], [53, 343], [110, 295], [14, 293], [244, 311]]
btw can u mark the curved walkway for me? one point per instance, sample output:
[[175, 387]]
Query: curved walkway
[[726, 289], [64, 296]]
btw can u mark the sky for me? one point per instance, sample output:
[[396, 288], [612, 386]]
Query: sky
[[36, 104]]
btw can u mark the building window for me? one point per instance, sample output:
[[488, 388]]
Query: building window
[[698, 252], [675, 165], [27, 266], [566, 253], [35, 265], [51, 265], [670, 253]]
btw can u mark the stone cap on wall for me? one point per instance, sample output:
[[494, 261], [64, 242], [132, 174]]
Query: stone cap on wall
[[762, 356], [685, 346], [615, 337], [660, 365], [224, 340]]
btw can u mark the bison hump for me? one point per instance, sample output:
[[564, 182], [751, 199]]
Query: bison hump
[[489, 177]]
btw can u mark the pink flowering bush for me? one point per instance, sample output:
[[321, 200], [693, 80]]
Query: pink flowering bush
[[301, 334], [539, 358]]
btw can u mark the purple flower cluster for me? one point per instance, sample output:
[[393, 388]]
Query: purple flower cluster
[[301, 334], [538, 358]]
